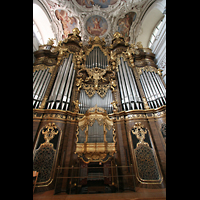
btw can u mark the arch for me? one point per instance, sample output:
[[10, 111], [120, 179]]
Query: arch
[[149, 21], [43, 23]]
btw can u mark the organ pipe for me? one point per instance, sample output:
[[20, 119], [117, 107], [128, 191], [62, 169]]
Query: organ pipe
[[161, 85], [63, 81], [71, 84], [55, 87], [44, 88], [96, 58], [121, 91], [158, 95], [153, 89], [126, 100], [130, 97], [60, 94], [41, 80], [127, 85], [86, 102]]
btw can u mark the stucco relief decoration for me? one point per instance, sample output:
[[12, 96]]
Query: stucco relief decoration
[[96, 25], [91, 3], [125, 23], [68, 23]]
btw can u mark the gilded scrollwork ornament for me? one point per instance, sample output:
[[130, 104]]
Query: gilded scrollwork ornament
[[80, 58], [140, 133], [50, 132], [115, 108], [113, 84]]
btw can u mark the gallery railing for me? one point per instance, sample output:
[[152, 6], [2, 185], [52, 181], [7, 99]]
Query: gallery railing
[[75, 176]]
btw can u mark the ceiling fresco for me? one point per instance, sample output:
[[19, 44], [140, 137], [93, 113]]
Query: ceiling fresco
[[101, 3], [125, 23], [97, 18], [68, 23], [96, 25]]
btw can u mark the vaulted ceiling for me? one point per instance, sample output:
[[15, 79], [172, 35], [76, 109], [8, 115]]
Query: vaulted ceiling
[[134, 19]]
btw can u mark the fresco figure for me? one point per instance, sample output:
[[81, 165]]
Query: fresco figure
[[125, 23], [96, 25], [68, 23]]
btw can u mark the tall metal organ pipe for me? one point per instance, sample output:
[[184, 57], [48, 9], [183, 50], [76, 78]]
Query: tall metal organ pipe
[[41, 80], [154, 89], [130, 97], [61, 91]]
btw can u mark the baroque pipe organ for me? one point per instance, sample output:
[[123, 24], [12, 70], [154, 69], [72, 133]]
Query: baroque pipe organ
[[100, 104]]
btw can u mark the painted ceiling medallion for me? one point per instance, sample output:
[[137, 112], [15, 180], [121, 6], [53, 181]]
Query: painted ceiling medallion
[[96, 25], [91, 3]]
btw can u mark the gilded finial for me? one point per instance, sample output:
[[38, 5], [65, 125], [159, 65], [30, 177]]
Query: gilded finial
[[139, 45], [50, 41], [117, 35], [75, 31]]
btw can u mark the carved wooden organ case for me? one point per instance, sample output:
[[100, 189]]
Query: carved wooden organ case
[[81, 89]]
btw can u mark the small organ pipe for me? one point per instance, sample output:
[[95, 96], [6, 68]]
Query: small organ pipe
[[102, 60], [99, 58], [93, 58]]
